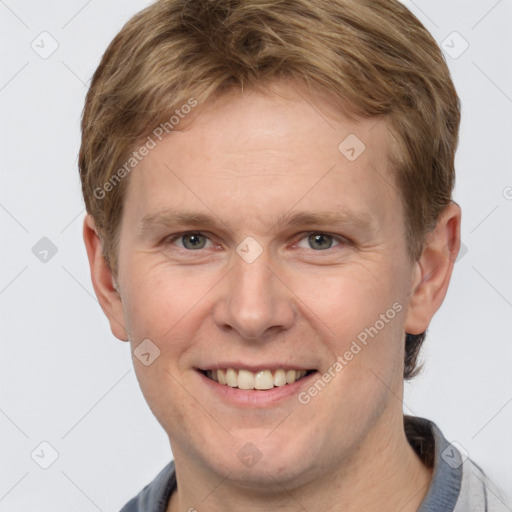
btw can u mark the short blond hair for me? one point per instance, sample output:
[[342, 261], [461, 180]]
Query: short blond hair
[[372, 55]]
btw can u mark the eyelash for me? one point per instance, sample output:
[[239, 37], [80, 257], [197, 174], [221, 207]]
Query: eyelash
[[341, 241]]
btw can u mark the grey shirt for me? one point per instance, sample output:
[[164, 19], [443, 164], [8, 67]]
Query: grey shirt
[[458, 484]]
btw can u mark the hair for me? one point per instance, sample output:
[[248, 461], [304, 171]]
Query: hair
[[373, 56]]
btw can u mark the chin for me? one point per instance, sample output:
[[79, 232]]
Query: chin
[[268, 462]]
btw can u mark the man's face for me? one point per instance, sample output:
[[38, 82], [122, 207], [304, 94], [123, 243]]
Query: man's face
[[251, 241]]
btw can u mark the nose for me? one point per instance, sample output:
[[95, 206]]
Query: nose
[[254, 301]]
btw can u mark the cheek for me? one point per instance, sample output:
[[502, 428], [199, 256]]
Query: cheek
[[166, 307], [167, 396], [159, 301], [361, 317], [348, 300]]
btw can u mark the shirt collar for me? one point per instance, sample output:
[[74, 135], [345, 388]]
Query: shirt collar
[[435, 452]]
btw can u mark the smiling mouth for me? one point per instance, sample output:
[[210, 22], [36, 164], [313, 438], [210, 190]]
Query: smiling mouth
[[261, 380]]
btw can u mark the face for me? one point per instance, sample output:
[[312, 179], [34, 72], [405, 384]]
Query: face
[[254, 248]]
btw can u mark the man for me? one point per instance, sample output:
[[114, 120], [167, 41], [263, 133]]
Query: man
[[270, 225]]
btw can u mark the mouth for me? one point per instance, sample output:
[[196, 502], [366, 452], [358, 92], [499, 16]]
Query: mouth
[[262, 380]]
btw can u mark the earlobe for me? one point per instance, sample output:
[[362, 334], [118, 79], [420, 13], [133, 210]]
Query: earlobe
[[103, 281], [433, 270]]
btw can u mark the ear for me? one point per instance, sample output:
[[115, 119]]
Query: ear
[[103, 281], [433, 270]]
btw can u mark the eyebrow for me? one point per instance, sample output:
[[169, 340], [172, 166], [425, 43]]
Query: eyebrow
[[170, 218], [333, 218]]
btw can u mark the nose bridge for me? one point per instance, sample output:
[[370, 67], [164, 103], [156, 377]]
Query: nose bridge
[[254, 300]]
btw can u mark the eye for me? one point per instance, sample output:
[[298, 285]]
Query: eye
[[319, 241], [192, 241]]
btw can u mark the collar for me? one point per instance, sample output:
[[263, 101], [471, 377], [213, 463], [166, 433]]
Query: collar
[[435, 452]]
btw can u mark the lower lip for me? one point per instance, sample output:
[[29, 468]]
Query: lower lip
[[254, 397]]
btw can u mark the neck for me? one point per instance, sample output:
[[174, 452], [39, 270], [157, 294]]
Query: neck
[[384, 474]]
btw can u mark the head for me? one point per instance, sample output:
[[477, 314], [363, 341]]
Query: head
[[322, 136]]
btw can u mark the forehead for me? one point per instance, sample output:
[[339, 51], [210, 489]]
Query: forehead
[[264, 154]]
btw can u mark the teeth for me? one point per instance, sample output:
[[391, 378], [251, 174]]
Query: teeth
[[279, 378], [231, 378], [245, 379], [264, 379]]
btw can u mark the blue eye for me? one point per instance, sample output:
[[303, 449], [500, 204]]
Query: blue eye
[[319, 241], [193, 241]]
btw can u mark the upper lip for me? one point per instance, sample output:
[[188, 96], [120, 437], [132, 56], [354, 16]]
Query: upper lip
[[254, 367]]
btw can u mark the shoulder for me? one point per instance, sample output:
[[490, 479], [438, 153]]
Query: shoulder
[[458, 484], [478, 492], [155, 496]]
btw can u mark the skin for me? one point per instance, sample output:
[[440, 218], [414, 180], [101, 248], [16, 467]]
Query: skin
[[247, 160]]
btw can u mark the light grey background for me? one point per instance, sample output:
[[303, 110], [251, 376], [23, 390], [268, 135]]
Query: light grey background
[[67, 381]]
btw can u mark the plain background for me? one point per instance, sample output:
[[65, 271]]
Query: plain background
[[67, 381]]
